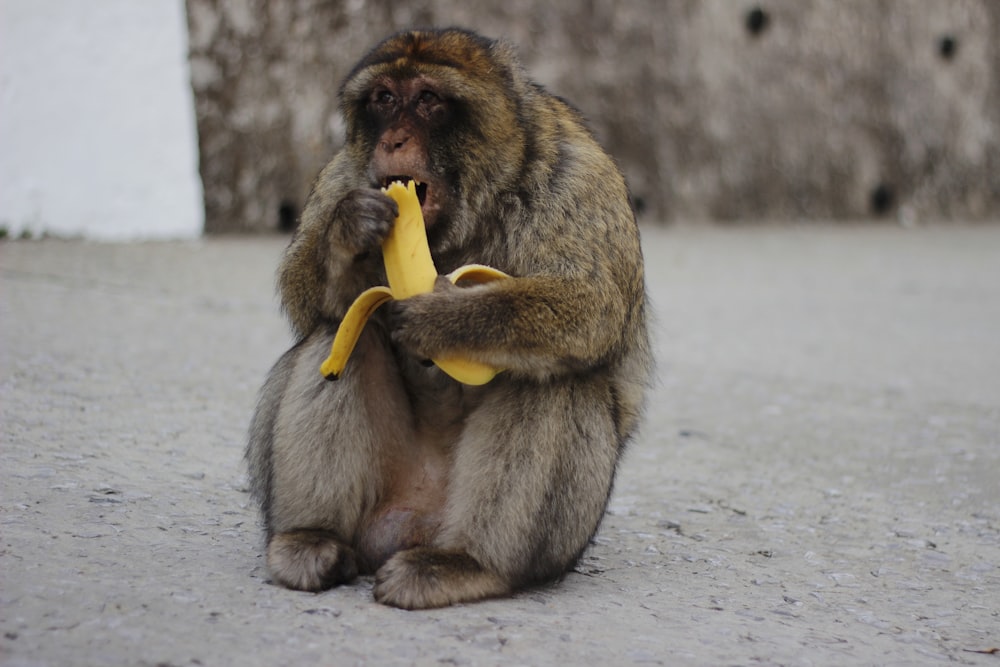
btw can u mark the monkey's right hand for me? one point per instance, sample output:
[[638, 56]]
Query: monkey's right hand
[[362, 220]]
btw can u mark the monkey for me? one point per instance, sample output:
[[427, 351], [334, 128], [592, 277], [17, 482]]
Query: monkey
[[449, 493]]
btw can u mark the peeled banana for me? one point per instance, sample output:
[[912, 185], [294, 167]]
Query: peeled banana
[[410, 271]]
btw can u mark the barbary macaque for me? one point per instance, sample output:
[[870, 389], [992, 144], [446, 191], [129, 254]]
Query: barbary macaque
[[450, 493]]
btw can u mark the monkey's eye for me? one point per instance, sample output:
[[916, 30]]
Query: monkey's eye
[[383, 98], [430, 105], [428, 97]]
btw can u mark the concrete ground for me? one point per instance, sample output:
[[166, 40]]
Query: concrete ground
[[817, 482]]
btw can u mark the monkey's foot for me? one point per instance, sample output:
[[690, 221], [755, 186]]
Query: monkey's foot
[[423, 578], [310, 560]]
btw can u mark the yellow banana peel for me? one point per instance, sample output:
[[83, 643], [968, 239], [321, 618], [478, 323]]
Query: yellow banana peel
[[410, 270]]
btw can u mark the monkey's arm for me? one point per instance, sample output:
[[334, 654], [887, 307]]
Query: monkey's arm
[[334, 255], [576, 301], [537, 326], [578, 296]]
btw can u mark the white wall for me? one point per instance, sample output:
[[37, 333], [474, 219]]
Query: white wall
[[97, 127]]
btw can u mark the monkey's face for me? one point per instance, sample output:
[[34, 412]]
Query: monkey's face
[[409, 119], [440, 108]]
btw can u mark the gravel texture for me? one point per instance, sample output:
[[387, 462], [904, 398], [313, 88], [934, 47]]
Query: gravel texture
[[817, 481]]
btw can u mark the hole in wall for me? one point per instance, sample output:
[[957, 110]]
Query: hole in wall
[[757, 21], [638, 204], [287, 216], [947, 47], [882, 199]]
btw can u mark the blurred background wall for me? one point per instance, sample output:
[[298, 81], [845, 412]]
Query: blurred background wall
[[716, 109], [115, 113]]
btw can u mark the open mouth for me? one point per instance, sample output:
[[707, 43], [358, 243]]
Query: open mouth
[[420, 187]]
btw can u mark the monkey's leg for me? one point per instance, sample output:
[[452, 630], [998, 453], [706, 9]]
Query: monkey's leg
[[531, 478], [324, 464]]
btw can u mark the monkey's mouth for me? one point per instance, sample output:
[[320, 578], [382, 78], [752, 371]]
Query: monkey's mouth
[[421, 187]]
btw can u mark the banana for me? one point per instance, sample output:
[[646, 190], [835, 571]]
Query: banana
[[350, 329], [408, 263], [410, 270]]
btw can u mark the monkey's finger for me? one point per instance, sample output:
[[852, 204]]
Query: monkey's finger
[[364, 219]]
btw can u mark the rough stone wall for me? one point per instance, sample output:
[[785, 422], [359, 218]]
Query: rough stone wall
[[716, 109]]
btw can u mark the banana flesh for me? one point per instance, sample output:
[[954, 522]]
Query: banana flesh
[[410, 270]]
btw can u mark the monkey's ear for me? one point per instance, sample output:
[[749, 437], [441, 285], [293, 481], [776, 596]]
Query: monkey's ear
[[504, 51]]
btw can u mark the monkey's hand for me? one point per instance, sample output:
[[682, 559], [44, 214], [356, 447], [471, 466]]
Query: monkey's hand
[[362, 220], [418, 324]]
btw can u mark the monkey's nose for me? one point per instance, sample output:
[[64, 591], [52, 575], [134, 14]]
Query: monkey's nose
[[393, 140]]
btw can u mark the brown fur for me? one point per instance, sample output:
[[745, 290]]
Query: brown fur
[[452, 493]]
